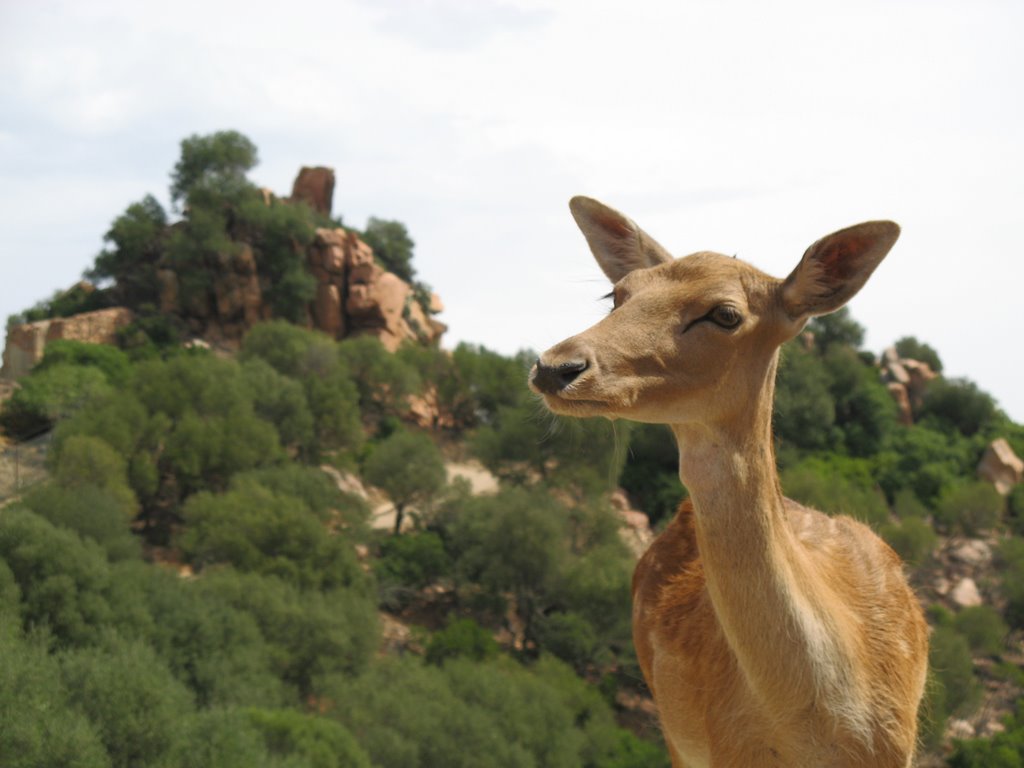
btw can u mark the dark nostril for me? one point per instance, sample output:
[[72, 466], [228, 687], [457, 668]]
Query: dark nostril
[[555, 378]]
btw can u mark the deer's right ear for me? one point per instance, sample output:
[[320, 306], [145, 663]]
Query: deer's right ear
[[619, 245]]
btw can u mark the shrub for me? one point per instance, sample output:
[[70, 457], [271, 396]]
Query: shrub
[[971, 507], [912, 538], [837, 486], [135, 703], [52, 394], [38, 725], [984, 629], [412, 561], [462, 638], [256, 530], [950, 661]]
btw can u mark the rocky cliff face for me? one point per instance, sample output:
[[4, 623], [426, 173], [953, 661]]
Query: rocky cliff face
[[353, 293]]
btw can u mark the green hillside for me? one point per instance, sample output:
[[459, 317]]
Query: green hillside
[[199, 579]]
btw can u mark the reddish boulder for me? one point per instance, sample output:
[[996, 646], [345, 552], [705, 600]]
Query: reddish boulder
[[315, 187]]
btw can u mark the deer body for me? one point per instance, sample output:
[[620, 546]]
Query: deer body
[[769, 633]]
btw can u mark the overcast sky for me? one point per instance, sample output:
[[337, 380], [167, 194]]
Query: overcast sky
[[750, 128]]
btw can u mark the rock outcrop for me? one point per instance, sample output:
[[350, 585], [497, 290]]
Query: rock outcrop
[[356, 295], [1001, 466], [315, 187], [907, 380], [26, 342], [636, 529]]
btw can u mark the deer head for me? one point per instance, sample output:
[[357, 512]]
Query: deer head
[[693, 339]]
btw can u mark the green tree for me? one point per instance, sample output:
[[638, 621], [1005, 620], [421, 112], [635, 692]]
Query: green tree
[[462, 638], [279, 233], [958, 404], [312, 359], [64, 581], [257, 530], [408, 467], [836, 329], [384, 380], [319, 742], [50, 395], [135, 245], [135, 703], [983, 628], [309, 633], [110, 360], [910, 348], [212, 165], [392, 246], [651, 473], [805, 411], [912, 538], [38, 725]]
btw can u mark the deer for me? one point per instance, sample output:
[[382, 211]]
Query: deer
[[768, 633]]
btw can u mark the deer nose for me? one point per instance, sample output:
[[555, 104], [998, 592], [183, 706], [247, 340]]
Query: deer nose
[[552, 379]]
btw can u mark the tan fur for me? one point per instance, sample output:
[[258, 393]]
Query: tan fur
[[769, 634]]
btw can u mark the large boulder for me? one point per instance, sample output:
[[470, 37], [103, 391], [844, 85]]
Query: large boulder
[[1001, 466], [315, 187]]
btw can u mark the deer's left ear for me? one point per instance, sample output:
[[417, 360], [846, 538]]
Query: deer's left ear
[[835, 268]]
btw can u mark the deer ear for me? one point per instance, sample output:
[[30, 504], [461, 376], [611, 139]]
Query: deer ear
[[836, 267], [619, 245]]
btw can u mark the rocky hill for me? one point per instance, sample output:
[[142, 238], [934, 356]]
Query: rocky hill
[[353, 293]]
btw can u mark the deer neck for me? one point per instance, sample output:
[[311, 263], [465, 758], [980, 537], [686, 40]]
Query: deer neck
[[756, 577]]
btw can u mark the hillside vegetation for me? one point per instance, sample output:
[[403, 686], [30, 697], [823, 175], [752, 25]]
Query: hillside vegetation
[[190, 586]]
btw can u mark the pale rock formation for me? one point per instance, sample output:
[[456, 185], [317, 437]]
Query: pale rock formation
[[636, 531], [965, 594], [907, 380], [26, 342], [1001, 466]]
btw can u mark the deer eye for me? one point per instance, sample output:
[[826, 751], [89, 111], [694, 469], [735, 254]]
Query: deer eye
[[726, 316]]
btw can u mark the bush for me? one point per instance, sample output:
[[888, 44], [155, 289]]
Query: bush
[[1011, 559], [412, 561], [137, 706], [571, 638], [110, 361], [256, 530], [970, 507], [950, 661], [912, 538], [317, 741], [38, 725], [91, 512], [651, 473], [805, 411], [462, 638], [984, 629], [837, 486], [958, 404], [52, 394], [64, 581], [309, 634]]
